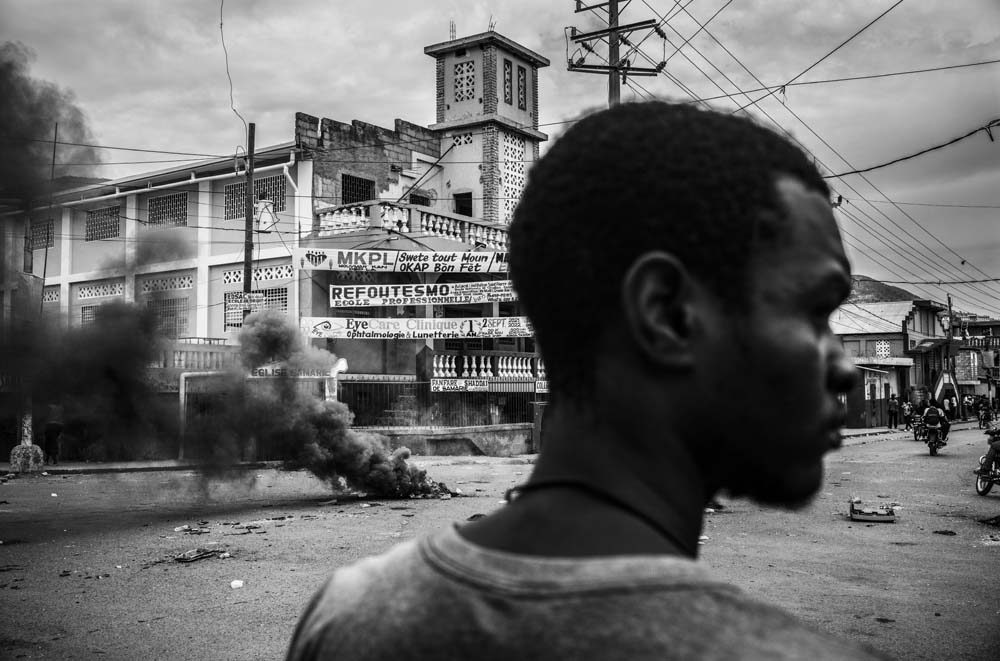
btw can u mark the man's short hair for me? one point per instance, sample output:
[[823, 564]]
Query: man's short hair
[[635, 178]]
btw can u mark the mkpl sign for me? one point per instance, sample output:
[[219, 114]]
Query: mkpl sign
[[400, 261]]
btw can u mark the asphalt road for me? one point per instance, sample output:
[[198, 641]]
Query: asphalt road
[[87, 566]]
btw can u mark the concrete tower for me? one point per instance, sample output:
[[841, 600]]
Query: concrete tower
[[487, 113]]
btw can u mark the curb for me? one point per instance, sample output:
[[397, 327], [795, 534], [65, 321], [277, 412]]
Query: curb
[[87, 470]]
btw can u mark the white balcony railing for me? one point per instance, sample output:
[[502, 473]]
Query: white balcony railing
[[411, 219]]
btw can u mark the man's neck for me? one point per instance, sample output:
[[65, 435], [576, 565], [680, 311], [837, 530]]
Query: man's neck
[[593, 493]]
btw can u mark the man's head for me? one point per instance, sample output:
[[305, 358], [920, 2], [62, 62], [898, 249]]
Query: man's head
[[639, 177], [698, 249]]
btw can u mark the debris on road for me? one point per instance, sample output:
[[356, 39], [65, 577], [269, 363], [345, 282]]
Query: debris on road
[[945, 532], [194, 555], [883, 513], [237, 584], [474, 517]]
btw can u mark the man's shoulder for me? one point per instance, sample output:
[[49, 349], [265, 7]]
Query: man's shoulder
[[764, 631], [645, 607]]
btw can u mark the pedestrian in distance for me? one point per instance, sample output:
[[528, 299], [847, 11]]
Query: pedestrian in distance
[[893, 406], [692, 255], [907, 409], [52, 435]]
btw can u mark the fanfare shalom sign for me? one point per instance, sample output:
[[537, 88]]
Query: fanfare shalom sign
[[399, 261], [460, 385], [361, 328], [363, 296]]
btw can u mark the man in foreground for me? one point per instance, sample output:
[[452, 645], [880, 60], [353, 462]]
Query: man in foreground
[[679, 267]]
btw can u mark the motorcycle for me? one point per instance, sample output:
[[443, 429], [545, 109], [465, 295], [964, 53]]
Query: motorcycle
[[932, 437], [985, 482], [919, 430]]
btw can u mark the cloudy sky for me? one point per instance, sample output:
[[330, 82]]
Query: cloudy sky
[[152, 75]]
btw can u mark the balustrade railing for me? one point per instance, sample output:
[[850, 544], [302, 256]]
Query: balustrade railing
[[480, 365], [410, 218], [189, 356], [988, 342]]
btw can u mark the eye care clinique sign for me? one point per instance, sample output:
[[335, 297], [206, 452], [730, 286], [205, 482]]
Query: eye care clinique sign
[[410, 328]]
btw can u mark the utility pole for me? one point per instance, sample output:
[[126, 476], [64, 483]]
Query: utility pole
[[616, 67], [248, 227], [951, 361], [52, 186], [614, 82]]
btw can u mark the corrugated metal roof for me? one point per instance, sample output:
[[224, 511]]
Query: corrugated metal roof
[[865, 318]]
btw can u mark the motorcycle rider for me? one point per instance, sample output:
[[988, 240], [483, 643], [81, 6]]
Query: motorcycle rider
[[994, 450], [935, 418]]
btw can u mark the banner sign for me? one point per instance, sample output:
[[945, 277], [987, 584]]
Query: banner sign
[[363, 296], [541, 385], [273, 371], [400, 261], [487, 385], [460, 385], [359, 328], [276, 370]]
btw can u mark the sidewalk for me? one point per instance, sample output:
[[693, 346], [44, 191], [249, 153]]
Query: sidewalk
[[865, 434], [851, 437]]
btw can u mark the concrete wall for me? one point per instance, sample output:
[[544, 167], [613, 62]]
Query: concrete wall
[[493, 441], [393, 158]]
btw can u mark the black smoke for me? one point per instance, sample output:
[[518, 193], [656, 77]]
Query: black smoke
[[29, 111], [287, 419], [95, 378]]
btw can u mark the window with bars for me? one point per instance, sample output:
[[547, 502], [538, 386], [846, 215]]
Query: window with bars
[[265, 299], [265, 188], [171, 315], [508, 82], [522, 88], [42, 234], [465, 81], [88, 315], [356, 189], [102, 224], [422, 200], [168, 210]]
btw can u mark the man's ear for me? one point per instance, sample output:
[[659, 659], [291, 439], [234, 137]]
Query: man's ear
[[659, 309]]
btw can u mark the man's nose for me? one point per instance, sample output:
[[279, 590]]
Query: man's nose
[[844, 375]]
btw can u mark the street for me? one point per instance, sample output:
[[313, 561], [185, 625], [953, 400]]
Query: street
[[87, 564]]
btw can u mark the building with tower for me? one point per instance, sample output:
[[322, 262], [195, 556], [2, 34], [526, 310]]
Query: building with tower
[[355, 225]]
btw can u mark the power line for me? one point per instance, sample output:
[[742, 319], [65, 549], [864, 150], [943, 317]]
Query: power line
[[138, 149], [988, 128], [778, 88], [222, 38], [810, 129], [765, 112], [816, 63], [938, 282], [929, 204]]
